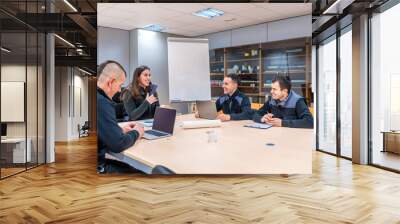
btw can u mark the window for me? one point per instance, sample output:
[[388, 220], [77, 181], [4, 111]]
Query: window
[[23, 88], [326, 99], [346, 92], [385, 89]]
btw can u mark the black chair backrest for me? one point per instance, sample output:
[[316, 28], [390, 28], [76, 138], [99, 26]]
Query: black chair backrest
[[86, 125], [159, 169]]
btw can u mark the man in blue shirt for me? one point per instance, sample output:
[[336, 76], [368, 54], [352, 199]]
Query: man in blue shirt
[[233, 104], [111, 136], [284, 108]]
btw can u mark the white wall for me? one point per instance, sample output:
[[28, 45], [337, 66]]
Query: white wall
[[33, 126], [12, 73], [67, 116], [79, 117], [61, 103], [140, 47], [153, 52]]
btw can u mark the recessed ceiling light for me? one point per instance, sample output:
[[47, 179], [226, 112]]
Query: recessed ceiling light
[[154, 27], [5, 50], [209, 13]]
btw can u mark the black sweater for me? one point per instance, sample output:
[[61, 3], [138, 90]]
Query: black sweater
[[139, 108], [110, 137], [238, 106], [293, 111]]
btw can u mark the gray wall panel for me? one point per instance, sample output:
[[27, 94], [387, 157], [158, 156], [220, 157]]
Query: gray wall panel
[[272, 31], [250, 35], [290, 28], [220, 39], [113, 44]]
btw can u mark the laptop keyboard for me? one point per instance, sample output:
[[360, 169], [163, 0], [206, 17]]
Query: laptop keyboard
[[155, 133]]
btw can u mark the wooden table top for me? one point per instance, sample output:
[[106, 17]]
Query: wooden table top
[[238, 150]]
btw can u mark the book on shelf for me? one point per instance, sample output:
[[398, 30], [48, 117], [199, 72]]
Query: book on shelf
[[239, 60], [258, 64], [298, 81], [216, 73], [249, 81], [248, 86]]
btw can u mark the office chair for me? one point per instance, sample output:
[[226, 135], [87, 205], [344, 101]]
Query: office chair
[[84, 130], [159, 169]]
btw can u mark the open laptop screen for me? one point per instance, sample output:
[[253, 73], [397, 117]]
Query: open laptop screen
[[164, 120]]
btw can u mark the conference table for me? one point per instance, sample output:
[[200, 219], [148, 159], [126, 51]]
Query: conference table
[[237, 150]]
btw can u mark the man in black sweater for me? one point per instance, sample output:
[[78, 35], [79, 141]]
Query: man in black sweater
[[233, 104], [111, 136], [284, 108]]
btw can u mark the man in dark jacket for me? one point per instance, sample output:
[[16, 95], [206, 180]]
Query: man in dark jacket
[[120, 112], [233, 104], [284, 108], [111, 136]]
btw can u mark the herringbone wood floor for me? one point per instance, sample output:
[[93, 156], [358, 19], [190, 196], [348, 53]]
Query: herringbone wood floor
[[70, 191]]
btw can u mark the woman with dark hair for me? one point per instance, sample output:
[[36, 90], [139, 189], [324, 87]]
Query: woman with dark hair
[[140, 98]]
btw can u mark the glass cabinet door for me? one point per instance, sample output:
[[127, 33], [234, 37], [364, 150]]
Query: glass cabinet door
[[287, 58], [217, 71], [245, 62]]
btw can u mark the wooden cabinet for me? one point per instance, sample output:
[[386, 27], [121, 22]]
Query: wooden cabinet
[[217, 71], [258, 64], [391, 142], [245, 62]]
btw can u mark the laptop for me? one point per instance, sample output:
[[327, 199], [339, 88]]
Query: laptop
[[163, 124], [206, 109], [146, 123]]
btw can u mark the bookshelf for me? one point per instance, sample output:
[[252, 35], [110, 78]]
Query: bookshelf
[[245, 62], [258, 64], [217, 71]]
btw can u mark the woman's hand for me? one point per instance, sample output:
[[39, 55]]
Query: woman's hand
[[151, 99]]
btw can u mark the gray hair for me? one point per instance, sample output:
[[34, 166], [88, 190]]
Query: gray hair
[[109, 68]]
